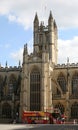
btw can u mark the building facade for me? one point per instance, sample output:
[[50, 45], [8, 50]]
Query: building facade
[[36, 91], [41, 83], [10, 85]]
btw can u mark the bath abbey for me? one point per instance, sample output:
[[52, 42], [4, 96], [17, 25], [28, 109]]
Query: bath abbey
[[40, 84]]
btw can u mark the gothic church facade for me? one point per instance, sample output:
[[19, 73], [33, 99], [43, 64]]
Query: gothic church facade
[[46, 84], [41, 83], [37, 67]]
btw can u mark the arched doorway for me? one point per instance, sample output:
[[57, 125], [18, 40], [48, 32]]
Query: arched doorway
[[60, 107], [6, 110]]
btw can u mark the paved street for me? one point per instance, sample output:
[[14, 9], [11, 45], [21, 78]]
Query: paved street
[[38, 127], [15, 126]]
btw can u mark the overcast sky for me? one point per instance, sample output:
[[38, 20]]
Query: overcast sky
[[16, 27]]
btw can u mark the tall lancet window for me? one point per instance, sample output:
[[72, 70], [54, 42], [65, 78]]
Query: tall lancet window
[[41, 38], [75, 84], [35, 90], [62, 82]]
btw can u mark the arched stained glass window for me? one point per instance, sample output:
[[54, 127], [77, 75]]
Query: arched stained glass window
[[35, 90], [75, 84], [12, 84], [62, 82], [74, 110]]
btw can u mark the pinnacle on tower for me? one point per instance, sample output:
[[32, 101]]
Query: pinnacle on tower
[[50, 20], [36, 18], [19, 63], [50, 16], [6, 64], [41, 25], [25, 49], [0, 65], [67, 60]]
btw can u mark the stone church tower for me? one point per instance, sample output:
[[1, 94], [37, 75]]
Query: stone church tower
[[36, 91]]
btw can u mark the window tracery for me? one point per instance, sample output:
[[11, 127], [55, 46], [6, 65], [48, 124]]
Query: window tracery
[[35, 90], [62, 82], [75, 84]]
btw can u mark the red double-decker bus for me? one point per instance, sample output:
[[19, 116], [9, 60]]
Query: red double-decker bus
[[40, 117], [36, 117]]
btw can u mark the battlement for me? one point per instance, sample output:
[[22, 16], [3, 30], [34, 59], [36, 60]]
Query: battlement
[[70, 65], [10, 68]]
